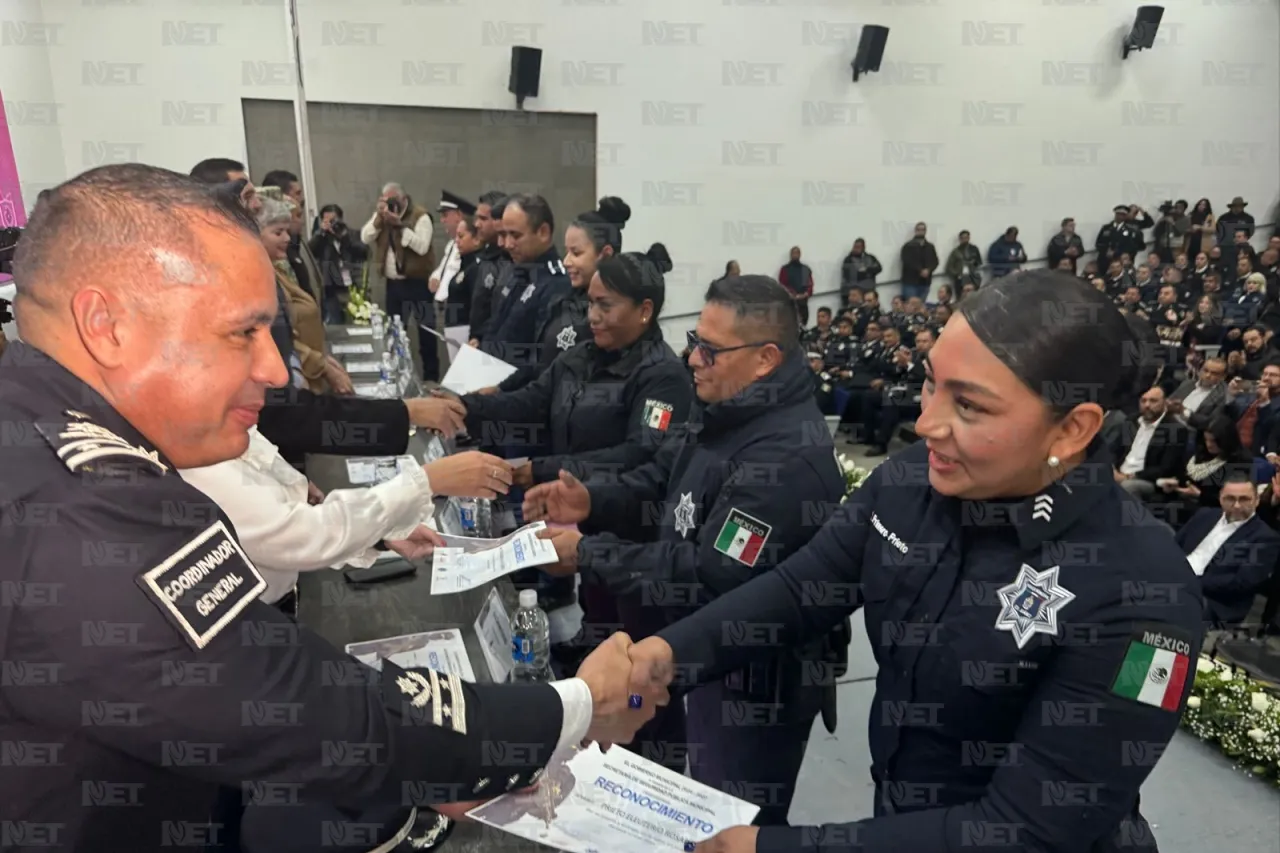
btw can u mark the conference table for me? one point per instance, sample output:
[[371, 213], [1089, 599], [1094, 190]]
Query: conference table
[[343, 613]]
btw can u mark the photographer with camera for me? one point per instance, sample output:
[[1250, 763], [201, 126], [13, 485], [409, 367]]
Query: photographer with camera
[[399, 232], [339, 256], [1171, 229]]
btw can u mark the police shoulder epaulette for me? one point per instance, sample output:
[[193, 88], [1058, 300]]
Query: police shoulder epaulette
[[83, 445], [555, 267]]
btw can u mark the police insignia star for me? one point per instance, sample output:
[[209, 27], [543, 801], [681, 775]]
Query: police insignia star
[[567, 338], [684, 515], [1030, 604]]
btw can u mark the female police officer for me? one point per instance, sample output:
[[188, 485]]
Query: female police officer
[[1036, 631], [607, 403]]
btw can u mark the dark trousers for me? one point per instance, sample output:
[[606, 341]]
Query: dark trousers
[[739, 754], [882, 417], [334, 311], [802, 311], [412, 299], [910, 289]]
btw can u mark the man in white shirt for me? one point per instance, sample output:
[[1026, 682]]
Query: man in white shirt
[[1198, 401], [399, 234], [283, 533], [1156, 447], [1232, 550], [453, 209]]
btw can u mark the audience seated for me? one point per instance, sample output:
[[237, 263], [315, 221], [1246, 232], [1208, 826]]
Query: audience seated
[[1197, 402], [1152, 447], [1232, 550]]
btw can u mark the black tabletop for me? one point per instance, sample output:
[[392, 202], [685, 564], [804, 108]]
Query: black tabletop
[[343, 613]]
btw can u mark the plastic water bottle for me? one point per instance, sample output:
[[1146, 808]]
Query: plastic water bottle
[[375, 320], [530, 640], [385, 390]]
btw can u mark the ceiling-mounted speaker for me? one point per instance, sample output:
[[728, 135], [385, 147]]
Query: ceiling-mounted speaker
[[1143, 34], [870, 50], [526, 72]]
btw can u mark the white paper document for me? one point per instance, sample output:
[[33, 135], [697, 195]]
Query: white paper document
[[443, 651], [493, 627], [371, 470], [356, 365], [352, 349], [590, 801], [472, 370], [366, 389], [467, 562], [359, 331]]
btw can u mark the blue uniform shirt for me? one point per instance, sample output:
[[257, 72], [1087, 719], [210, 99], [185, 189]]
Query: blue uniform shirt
[[1034, 656]]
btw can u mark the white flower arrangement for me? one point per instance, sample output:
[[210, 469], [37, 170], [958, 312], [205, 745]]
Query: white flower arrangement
[[853, 475], [1230, 709], [358, 307]]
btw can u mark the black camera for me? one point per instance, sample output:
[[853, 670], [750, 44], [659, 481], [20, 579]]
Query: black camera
[[1166, 208], [338, 228], [393, 206]]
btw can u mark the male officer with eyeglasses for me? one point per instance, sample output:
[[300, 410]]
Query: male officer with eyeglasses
[[745, 484]]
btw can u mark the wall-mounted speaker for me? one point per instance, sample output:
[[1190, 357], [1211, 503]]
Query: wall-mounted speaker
[[870, 50], [1143, 34], [526, 72]]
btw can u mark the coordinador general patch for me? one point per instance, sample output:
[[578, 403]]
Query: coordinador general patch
[[203, 587]]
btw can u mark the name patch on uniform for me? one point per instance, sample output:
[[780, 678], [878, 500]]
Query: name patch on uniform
[[205, 585], [742, 537], [657, 415], [1156, 667], [80, 443]]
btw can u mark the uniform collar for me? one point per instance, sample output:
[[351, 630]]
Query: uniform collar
[[786, 386], [622, 362], [1049, 514], [59, 397]]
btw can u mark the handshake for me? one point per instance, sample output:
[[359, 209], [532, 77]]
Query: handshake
[[628, 683]]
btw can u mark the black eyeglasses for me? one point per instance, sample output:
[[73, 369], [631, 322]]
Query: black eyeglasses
[[708, 353]]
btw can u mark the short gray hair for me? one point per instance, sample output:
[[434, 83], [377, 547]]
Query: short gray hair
[[274, 211], [392, 186]]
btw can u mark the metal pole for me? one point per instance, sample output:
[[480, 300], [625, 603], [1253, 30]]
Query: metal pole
[[306, 172]]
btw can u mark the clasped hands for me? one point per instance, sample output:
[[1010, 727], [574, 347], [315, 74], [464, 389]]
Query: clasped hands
[[628, 683], [562, 501]]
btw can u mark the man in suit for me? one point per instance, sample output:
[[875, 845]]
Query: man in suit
[[1153, 446], [1232, 550], [1198, 401]]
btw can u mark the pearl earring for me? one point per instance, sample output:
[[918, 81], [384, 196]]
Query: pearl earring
[[1054, 462]]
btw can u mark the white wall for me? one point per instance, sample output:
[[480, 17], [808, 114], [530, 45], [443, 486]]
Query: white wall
[[733, 128]]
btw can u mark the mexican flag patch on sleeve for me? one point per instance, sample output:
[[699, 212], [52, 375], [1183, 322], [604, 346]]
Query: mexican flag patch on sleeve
[[1155, 668], [657, 415], [742, 537]]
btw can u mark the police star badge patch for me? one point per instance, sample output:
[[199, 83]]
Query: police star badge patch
[[567, 338], [1030, 604], [684, 514], [742, 537]]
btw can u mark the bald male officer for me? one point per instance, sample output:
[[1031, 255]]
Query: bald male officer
[[141, 672]]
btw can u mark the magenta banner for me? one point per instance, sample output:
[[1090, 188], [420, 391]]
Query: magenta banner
[[13, 214]]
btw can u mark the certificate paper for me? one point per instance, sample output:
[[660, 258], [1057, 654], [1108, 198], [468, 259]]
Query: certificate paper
[[443, 651], [589, 801], [352, 349], [466, 562], [371, 470]]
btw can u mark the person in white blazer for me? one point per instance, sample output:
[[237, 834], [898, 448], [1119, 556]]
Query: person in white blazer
[[287, 526]]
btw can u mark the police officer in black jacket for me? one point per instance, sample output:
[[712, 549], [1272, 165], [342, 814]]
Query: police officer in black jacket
[[744, 486], [487, 294], [299, 422], [590, 238], [538, 280], [1036, 630], [142, 671]]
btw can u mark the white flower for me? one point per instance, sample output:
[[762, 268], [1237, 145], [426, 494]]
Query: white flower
[[1258, 735], [1260, 702], [1193, 702], [1204, 665]]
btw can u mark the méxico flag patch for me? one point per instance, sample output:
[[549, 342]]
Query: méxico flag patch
[[1155, 668], [742, 537], [657, 415]]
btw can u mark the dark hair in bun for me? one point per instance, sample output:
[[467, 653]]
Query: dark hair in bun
[[604, 224], [638, 275], [1066, 341]]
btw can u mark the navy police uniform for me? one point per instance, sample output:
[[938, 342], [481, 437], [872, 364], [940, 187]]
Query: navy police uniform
[[487, 292], [524, 312], [563, 326], [142, 672], [744, 486], [592, 408], [1034, 656]]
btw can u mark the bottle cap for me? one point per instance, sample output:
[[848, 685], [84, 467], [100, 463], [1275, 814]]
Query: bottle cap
[[528, 598]]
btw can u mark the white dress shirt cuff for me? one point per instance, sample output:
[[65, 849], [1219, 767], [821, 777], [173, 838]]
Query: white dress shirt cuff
[[575, 695]]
